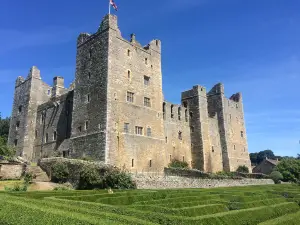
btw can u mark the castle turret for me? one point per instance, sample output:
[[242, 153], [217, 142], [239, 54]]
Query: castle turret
[[28, 95], [58, 87]]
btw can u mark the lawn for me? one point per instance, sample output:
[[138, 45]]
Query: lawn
[[271, 204]]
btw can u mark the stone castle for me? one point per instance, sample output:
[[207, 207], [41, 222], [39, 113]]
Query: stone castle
[[115, 112]]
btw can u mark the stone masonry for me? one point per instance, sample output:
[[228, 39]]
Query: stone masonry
[[115, 112]]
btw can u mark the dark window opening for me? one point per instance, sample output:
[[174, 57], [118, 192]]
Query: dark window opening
[[47, 138], [20, 109], [132, 163], [88, 98], [54, 136], [139, 130], [192, 129], [150, 163], [234, 147], [128, 52], [212, 149], [36, 133], [170, 158], [146, 61], [242, 134], [164, 110], [86, 126], [89, 75], [180, 135], [166, 139], [191, 115], [79, 128], [156, 42], [172, 115], [146, 80], [185, 104], [16, 142], [17, 125], [186, 116], [129, 74]]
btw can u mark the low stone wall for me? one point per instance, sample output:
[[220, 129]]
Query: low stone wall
[[10, 171], [174, 182]]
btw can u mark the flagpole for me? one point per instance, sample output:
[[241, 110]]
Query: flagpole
[[109, 5]]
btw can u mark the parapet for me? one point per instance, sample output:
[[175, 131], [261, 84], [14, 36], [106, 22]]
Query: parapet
[[20, 80], [109, 21], [236, 97], [196, 91], [217, 89], [34, 73]]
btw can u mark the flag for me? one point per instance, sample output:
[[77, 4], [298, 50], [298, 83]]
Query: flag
[[112, 2]]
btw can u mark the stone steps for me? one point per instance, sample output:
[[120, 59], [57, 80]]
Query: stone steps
[[40, 175]]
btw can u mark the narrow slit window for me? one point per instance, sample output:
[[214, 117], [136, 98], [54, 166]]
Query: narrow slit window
[[86, 125], [132, 163], [150, 163], [54, 136]]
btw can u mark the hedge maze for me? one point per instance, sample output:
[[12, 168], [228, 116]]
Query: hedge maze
[[264, 205]]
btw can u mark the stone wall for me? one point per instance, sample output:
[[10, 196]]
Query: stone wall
[[171, 182], [11, 171]]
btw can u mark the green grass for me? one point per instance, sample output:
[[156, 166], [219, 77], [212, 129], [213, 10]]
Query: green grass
[[271, 204]]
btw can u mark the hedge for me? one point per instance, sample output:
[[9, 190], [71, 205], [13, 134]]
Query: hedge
[[71, 209], [289, 219], [197, 210], [17, 212]]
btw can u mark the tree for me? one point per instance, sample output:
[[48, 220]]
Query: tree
[[276, 176], [290, 169], [258, 157], [298, 156], [6, 152], [4, 128]]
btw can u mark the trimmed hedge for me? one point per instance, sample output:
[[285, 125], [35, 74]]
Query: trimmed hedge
[[289, 219]]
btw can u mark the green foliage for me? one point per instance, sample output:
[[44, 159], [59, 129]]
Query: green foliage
[[4, 128], [118, 179], [64, 187], [276, 176], [290, 169], [89, 178], [87, 158], [6, 152], [178, 164], [60, 172], [242, 169], [17, 188]]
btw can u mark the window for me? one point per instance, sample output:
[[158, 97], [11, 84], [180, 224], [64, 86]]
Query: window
[[54, 136], [79, 129], [186, 116], [172, 114], [146, 81], [242, 133], [179, 113], [89, 75], [128, 52], [129, 75], [182, 158], [138, 130], [49, 92], [234, 147], [164, 110], [156, 42], [88, 98], [147, 102], [17, 125], [132, 163], [180, 135], [192, 129], [47, 138], [126, 127], [212, 149], [185, 104], [90, 53], [36, 133], [191, 115], [150, 163], [170, 158], [130, 96], [16, 142], [149, 132], [86, 125], [166, 139], [20, 109], [146, 61]]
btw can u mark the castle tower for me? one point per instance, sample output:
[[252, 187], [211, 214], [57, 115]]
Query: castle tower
[[196, 101], [29, 93], [118, 99]]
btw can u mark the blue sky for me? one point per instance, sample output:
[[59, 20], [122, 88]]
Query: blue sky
[[251, 46]]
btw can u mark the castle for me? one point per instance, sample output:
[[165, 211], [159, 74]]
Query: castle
[[115, 112]]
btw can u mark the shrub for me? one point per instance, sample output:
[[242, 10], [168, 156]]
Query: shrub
[[178, 164], [118, 179], [17, 188], [28, 177], [6, 152], [242, 169], [290, 169], [276, 176], [60, 172], [89, 178]]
